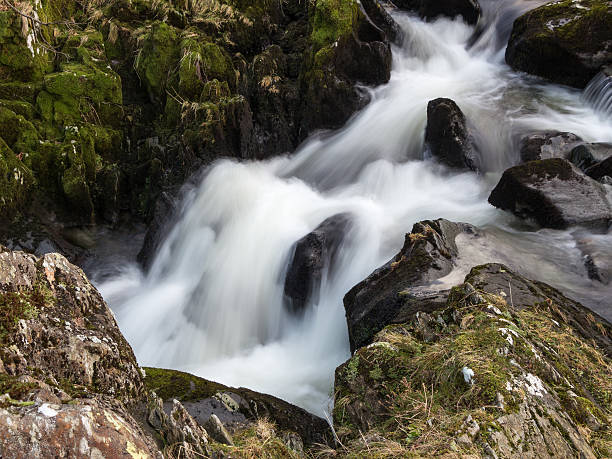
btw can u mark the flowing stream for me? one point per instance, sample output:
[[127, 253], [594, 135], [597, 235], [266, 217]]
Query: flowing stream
[[212, 303]]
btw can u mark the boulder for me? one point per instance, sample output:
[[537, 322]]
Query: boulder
[[402, 287], [311, 256], [235, 408], [567, 42], [554, 193], [469, 10], [163, 215], [448, 136], [586, 155], [547, 144], [601, 169], [502, 345]]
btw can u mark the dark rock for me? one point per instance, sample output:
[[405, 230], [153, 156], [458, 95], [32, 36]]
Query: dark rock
[[554, 193], [546, 145], [381, 17], [165, 211], [311, 255], [565, 42], [586, 155], [396, 291], [448, 136], [469, 10], [601, 169]]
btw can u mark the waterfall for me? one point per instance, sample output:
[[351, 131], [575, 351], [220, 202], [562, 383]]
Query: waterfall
[[598, 94], [212, 303]]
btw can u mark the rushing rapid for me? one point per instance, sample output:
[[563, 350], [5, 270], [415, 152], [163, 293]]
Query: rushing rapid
[[212, 303]]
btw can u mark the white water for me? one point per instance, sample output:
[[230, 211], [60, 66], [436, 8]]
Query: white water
[[213, 301]]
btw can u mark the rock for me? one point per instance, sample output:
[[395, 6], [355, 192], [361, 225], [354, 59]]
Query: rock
[[469, 10], [554, 193], [547, 144], [218, 431], [399, 289], [594, 159], [382, 19], [89, 428], [448, 136], [163, 215], [62, 327], [564, 42], [601, 169], [236, 408], [311, 256], [516, 344]]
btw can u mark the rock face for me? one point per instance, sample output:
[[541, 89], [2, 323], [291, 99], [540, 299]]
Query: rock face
[[397, 290], [448, 137], [469, 10], [567, 42], [311, 256], [546, 145], [554, 193], [504, 358]]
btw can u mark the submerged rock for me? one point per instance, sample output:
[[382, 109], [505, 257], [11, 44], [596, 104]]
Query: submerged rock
[[567, 42], [312, 255], [554, 193], [507, 358], [469, 10], [399, 289], [448, 136]]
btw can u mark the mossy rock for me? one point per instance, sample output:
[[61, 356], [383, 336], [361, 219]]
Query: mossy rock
[[565, 41], [332, 19], [21, 56], [17, 131], [157, 56], [15, 180]]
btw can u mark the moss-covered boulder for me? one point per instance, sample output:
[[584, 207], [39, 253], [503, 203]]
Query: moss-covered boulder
[[508, 367], [567, 41], [238, 408]]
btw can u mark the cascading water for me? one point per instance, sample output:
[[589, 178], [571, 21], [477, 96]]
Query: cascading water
[[598, 93], [212, 303]]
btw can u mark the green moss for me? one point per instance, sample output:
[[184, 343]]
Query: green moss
[[169, 384], [15, 306], [15, 180], [331, 20], [157, 57]]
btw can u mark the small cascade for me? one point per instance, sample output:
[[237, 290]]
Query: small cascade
[[598, 93]]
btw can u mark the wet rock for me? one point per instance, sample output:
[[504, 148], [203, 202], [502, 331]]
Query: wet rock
[[163, 216], [311, 256], [547, 144], [564, 42], [382, 19], [469, 10], [554, 193], [399, 289], [448, 136], [601, 169]]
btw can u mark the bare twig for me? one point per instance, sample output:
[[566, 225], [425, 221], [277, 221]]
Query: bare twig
[[33, 19]]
